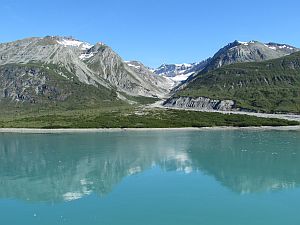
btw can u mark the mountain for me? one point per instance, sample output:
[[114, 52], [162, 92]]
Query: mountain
[[49, 85], [237, 51], [63, 71], [269, 86], [50, 69], [252, 51], [180, 72], [160, 81]]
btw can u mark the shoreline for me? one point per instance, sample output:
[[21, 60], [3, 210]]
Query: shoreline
[[106, 130], [290, 117]]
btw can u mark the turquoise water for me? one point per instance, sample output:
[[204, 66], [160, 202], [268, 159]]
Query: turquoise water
[[157, 177]]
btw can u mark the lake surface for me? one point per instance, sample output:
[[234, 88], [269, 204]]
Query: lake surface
[[151, 177]]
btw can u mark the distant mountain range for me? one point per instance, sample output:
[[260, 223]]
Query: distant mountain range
[[180, 72], [65, 72]]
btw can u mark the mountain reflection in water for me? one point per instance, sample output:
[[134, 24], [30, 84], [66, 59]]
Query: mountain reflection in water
[[64, 167]]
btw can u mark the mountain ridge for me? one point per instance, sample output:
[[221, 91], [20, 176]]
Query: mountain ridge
[[267, 86], [96, 65], [236, 51], [58, 69]]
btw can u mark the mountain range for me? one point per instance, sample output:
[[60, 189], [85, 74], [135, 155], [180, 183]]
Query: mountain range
[[48, 69], [234, 52], [65, 72], [180, 72]]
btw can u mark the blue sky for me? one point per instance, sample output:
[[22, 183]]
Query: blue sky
[[154, 31]]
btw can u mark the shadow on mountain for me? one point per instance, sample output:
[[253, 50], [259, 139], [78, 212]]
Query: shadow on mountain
[[63, 167]]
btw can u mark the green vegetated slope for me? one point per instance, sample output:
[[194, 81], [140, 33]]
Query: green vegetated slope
[[48, 96], [270, 86], [34, 85], [55, 98], [133, 118]]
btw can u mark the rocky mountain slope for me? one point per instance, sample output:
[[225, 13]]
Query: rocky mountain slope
[[163, 82], [50, 85], [269, 86], [30, 66], [252, 51]]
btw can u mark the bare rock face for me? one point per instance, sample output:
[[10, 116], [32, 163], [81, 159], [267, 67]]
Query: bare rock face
[[48, 85], [149, 79], [29, 83], [15, 87], [133, 78], [200, 103]]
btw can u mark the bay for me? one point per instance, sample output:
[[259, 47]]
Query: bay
[[151, 177]]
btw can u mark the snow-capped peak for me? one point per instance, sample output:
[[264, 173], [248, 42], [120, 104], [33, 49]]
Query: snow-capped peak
[[183, 65], [243, 42], [246, 43], [177, 72], [74, 43], [275, 46]]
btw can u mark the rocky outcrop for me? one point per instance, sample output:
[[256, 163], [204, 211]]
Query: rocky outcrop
[[49, 85], [26, 83], [200, 103]]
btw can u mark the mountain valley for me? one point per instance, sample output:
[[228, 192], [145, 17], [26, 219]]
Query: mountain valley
[[63, 75]]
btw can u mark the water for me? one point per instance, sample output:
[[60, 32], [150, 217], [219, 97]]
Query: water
[[159, 177]]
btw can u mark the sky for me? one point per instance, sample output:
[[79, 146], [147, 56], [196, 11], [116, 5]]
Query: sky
[[154, 31]]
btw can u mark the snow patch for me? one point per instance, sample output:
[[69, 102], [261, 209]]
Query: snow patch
[[276, 47], [86, 56], [134, 66], [181, 77], [272, 47], [284, 46], [183, 65], [74, 43], [243, 43], [170, 82]]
